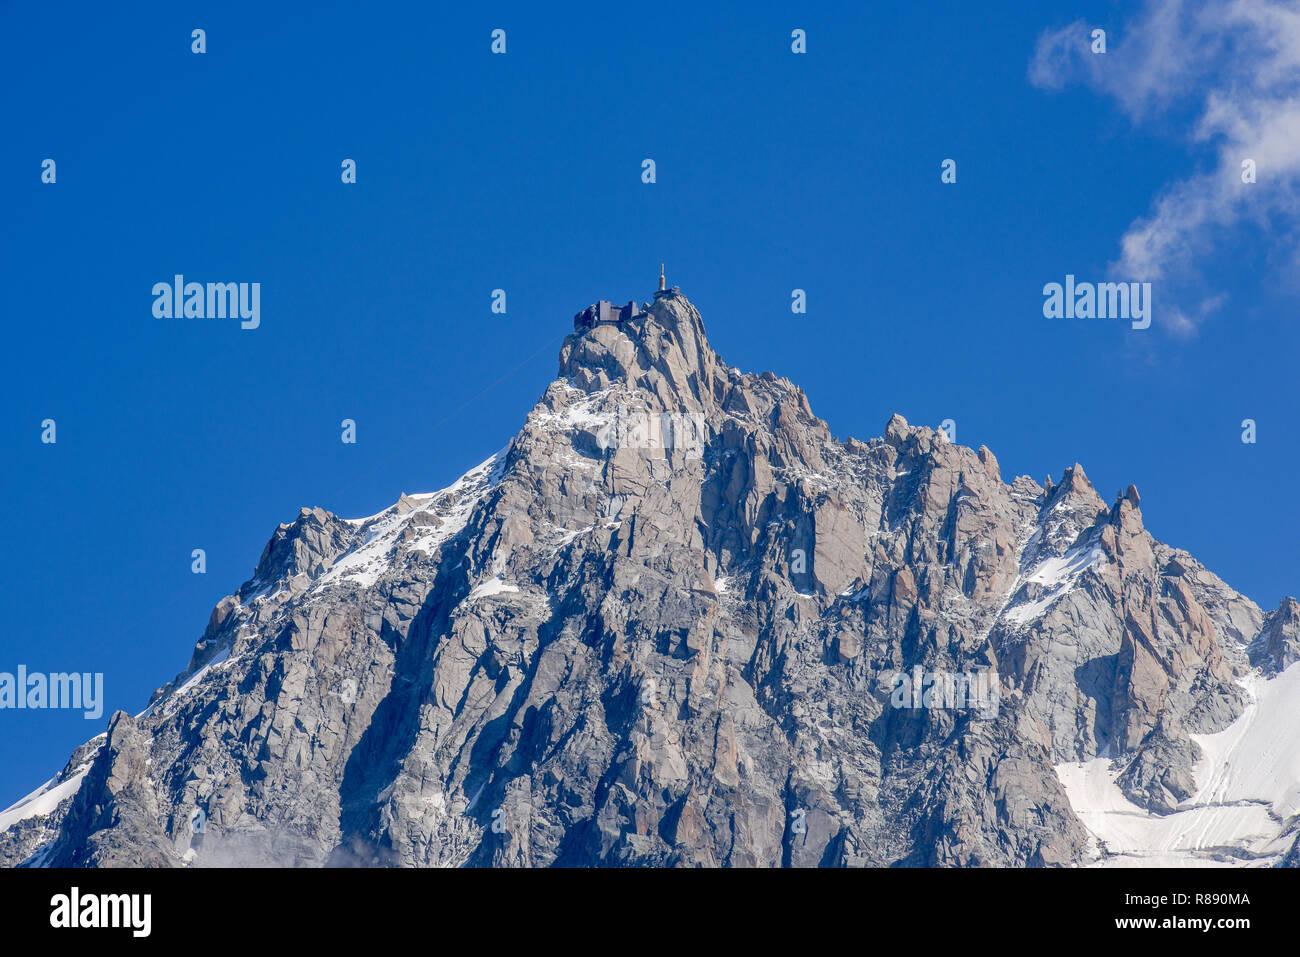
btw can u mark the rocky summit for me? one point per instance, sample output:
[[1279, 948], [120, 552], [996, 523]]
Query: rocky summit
[[676, 622]]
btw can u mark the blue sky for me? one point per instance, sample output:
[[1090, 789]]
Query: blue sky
[[775, 171]]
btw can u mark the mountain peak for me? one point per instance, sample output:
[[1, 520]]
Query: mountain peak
[[660, 347], [671, 614]]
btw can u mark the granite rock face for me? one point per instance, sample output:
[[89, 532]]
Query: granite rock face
[[1278, 645], [676, 622]]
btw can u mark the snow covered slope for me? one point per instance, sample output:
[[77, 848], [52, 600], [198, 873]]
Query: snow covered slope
[[1246, 806], [43, 800]]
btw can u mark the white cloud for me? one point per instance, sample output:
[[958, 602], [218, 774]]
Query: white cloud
[[1237, 64]]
